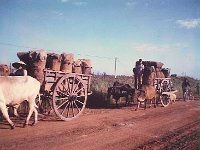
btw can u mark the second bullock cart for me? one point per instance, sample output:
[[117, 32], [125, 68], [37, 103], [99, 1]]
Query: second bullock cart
[[159, 77]]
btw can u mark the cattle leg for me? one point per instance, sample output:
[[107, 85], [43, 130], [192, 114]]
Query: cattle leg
[[138, 105], [155, 102], [15, 111], [145, 104], [127, 101], [150, 103], [117, 99], [31, 109], [6, 116], [36, 116]]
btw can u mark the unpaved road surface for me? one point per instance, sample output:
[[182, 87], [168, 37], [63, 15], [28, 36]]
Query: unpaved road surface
[[174, 127]]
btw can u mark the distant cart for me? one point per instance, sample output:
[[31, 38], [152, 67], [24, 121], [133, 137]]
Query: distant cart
[[65, 93], [154, 74]]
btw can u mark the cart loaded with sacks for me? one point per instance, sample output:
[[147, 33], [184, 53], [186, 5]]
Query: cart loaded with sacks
[[65, 83], [154, 74]]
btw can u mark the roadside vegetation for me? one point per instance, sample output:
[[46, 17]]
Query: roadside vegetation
[[100, 84]]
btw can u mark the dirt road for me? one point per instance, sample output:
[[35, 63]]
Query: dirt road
[[174, 127]]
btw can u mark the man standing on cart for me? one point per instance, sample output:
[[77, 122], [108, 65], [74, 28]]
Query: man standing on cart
[[138, 73]]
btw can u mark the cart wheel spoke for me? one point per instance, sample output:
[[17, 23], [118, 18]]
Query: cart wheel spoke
[[72, 109], [76, 87], [61, 92], [59, 99], [62, 104], [68, 109], [80, 102], [77, 107], [65, 108], [82, 88], [65, 89]]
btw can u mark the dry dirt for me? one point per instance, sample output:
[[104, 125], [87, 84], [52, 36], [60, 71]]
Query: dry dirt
[[174, 127]]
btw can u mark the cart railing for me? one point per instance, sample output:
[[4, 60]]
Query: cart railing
[[51, 77], [163, 84]]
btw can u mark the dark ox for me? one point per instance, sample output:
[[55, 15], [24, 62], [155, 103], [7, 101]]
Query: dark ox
[[120, 90]]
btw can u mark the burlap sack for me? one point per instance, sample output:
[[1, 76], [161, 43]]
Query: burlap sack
[[159, 73], [35, 61], [153, 63], [53, 61], [86, 66], [77, 66], [37, 64], [67, 62], [4, 70], [148, 75], [166, 72], [24, 56]]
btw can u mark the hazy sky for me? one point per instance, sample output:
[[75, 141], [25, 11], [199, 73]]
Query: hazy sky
[[158, 30]]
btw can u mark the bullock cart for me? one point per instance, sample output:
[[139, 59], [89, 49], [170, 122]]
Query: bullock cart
[[163, 85], [65, 93]]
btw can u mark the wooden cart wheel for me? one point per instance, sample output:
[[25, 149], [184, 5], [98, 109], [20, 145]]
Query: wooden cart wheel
[[165, 100], [69, 97]]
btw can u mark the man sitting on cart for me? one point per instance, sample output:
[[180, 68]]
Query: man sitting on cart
[[20, 67]]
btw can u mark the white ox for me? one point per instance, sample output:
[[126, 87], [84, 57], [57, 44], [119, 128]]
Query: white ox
[[14, 90]]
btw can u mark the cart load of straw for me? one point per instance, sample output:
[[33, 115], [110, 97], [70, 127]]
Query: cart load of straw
[[24, 56], [67, 60], [166, 72], [53, 61], [159, 73], [36, 61], [148, 75], [153, 63], [4, 70]]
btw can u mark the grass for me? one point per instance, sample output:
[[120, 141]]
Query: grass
[[100, 84]]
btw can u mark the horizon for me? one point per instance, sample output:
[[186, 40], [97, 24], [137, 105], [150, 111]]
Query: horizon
[[154, 30]]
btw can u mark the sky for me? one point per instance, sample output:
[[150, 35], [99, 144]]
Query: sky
[[102, 30]]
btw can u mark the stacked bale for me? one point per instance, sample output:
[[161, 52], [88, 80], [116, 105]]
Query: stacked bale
[[77, 66], [86, 66], [166, 72], [157, 65], [24, 56], [149, 75], [36, 62], [159, 73], [67, 62], [4, 70], [153, 63], [53, 61], [153, 70]]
